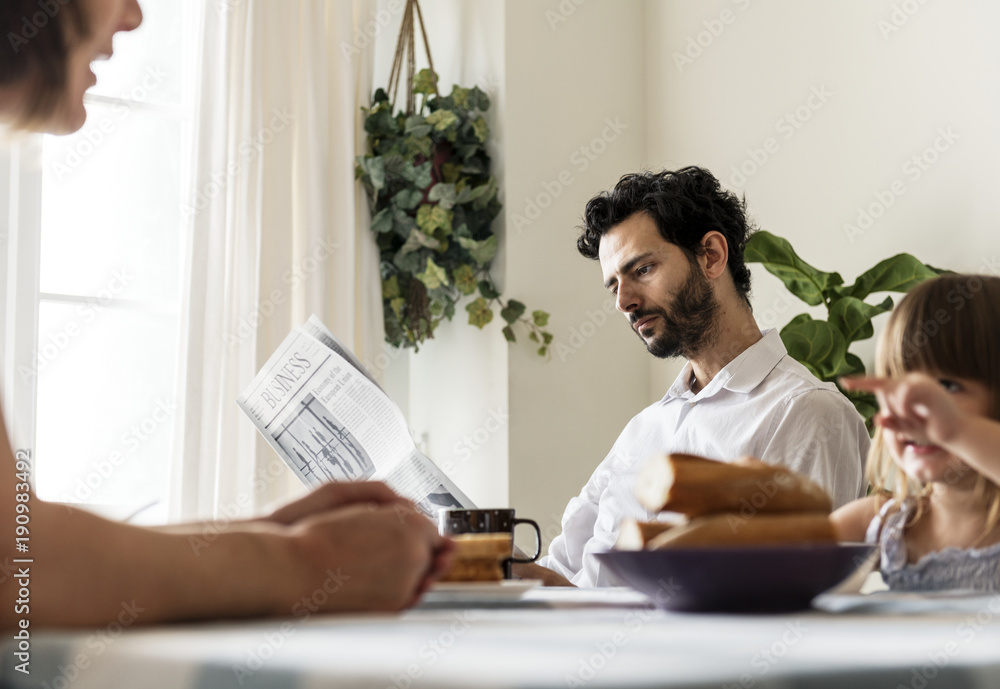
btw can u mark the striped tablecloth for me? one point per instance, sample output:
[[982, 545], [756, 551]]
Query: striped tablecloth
[[551, 638]]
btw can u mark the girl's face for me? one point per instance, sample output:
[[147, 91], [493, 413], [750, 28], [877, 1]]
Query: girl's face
[[105, 18], [930, 463]]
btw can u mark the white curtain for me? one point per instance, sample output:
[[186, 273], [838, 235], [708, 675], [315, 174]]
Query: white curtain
[[278, 228]]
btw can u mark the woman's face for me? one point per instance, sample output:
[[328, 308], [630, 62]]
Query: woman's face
[[105, 18]]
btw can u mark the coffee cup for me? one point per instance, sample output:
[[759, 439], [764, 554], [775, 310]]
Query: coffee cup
[[480, 521]]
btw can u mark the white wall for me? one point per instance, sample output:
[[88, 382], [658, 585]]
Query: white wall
[[888, 94], [569, 74]]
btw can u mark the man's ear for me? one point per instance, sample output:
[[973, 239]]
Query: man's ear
[[714, 255]]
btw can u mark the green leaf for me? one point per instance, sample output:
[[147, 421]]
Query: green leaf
[[480, 313], [417, 127], [512, 311], [486, 289], [481, 129], [430, 218], [374, 168], [508, 334], [442, 120], [855, 364], [390, 288], [778, 258], [382, 221], [817, 345], [419, 176], [464, 278], [397, 305], [443, 193], [540, 318], [434, 276], [478, 100], [481, 252], [853, 317], [547, 337], [542, 351], [407, 199], [896, 274], [460, 96], [533, 336], [418, 240], [425, 82]]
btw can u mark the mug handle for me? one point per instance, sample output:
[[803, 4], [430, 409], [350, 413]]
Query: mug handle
[[538, 540]]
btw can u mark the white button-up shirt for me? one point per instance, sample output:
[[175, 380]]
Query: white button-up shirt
[[763, 403]]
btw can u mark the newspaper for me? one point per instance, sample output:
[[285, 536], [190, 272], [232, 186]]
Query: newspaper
[[329, 420]]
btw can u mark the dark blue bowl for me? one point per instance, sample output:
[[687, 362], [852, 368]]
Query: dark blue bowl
[[743, 579]]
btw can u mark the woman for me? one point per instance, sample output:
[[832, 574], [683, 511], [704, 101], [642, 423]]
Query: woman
[[343, 547]]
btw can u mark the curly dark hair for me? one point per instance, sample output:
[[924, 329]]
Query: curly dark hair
[[685, 205], [37, 37]]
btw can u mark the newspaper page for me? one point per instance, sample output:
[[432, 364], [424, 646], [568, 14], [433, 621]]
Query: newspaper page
[[325, 416]]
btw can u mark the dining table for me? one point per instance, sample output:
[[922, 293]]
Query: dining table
[[535, 637]]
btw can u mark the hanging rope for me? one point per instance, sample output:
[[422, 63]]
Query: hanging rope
[[406, 50]]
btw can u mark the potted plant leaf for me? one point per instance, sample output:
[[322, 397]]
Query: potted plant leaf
[[822, 346]]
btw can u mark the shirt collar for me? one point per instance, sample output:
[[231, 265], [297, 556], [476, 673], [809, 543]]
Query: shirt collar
[[742, 374]]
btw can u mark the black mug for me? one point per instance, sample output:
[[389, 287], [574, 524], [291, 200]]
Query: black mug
[[455, 522]]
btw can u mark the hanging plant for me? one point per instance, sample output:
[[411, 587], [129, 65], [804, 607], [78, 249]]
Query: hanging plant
[[433, 202]]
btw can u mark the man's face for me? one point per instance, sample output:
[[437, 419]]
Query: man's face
[[666, 298]]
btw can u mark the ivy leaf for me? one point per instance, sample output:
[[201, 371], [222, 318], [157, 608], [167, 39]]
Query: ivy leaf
[[425, 82], [778, 258], [460, 96], [478, 100], [480, 313], [382, 221], [512, 311], [442, 120], [397, 306], [434, 276], [481, 252], [374, 168], [819, 346], [896, 274], [547, 337], [418, 240], [434, 217], [542, 351], [443, 193], [417, 175], [464, 278], [407, 199], [533, 336], [486, 289], [419, 146], [540, 318], [853, 317], [417, 127], [481, 129], [508, 334], [468, 194], [390, 288]]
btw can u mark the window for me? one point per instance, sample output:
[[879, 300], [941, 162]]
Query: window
[[109, 255]]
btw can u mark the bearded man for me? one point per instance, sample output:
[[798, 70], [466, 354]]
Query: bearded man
[[671, 249]]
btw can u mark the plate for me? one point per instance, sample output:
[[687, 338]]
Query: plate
[[479, 591], [744, 579]]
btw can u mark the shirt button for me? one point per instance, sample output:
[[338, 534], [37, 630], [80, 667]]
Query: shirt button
[[692, 403]]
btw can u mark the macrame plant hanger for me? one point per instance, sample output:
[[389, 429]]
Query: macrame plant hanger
[[406, 50]]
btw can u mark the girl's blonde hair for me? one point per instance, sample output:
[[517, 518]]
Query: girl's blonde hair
[[949, 325]]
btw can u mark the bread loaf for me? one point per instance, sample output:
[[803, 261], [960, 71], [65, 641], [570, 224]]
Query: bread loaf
[[696, 486]]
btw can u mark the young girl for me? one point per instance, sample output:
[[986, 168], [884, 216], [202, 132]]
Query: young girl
[[938, 445]]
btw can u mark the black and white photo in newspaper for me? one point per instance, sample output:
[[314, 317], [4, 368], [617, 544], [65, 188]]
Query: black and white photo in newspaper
[[329, 421]]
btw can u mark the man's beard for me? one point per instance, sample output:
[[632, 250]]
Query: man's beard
[[690, 326]]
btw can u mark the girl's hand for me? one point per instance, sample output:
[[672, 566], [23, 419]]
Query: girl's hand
[[915, 405]]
